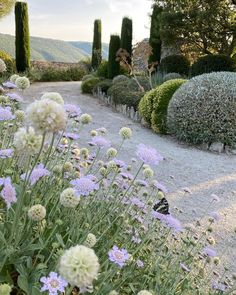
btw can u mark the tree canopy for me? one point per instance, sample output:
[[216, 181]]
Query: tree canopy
[[6, 6], [204, 26]]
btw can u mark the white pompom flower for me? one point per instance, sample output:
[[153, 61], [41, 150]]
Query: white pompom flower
[[22, 83], [79, 266], [55, 96], [27, 141], [47, 116], [125, 133], [37, 213], [69, 199], [14, 77], [3, 66]]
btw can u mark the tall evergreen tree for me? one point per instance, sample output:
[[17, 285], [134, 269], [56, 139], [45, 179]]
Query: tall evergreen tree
[[113, 63], [127, 36], [22, 37], [155, 35], [97, 44]]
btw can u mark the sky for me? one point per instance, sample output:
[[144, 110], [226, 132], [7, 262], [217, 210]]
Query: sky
[[72, 20]]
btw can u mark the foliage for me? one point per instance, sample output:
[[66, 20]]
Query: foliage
[[143, 81], [203, 109], [145, 107], [22, 42], [199, 26], [155, 35], [213, 63], [75, 73], [89, 217], [120, 78], [175, 64], [103, 85], [8, 61], [127, 36], [6, 7], [161, 101], [88, 76], [113, 64], [125, 92], [102, 70], [88, 85], [171, 76], [97, 44]]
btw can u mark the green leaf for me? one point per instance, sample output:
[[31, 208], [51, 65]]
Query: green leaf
[[23, 284]]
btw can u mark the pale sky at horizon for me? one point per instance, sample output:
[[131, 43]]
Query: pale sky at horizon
[[72, 20]]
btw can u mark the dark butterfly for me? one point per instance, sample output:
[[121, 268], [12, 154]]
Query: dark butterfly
[[162, 207]]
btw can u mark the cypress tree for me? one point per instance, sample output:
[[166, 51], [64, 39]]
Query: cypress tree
[[97, 44], [113, 64], [155, 35], [127, 36], [22, 37]]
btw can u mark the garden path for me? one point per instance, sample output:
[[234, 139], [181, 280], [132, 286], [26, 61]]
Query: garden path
[[191, 175]]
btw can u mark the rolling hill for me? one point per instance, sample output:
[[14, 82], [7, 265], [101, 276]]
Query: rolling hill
[[43, 49]]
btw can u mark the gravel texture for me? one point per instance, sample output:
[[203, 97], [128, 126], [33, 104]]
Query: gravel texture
[[190, 174]]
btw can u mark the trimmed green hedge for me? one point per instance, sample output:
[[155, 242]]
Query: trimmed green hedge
[[175, 64], [103, 86], [213, 63], [88, 85], [102, 70], [161, 101], [145, 107]]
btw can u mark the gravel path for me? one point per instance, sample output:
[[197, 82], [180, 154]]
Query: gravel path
[[191, 175]]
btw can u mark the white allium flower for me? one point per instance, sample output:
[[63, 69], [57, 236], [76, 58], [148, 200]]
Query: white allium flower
[[125, 132], [22, 83], [148, 173], [68, 167], [47, 115], [20, 115], [37, 213], [111, 153], [5, 289], [69, 199], [93, 133], [144, 292], [3, 66], [55, 96], [79, 266], [113, 292], [27, 141], [90, 241], [14, 77], [85, 119]]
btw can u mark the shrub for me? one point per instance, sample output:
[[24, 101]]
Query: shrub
[[143, 81], [86, 77], [97, 44], [113, 63], [175, 64], [88, 85], [103, 86], [213, 63], [22, 37], [171, 76], [124, 93], [161, 100], [102, 70], [145, 107], [8, 61], [120, 78], [203, 110]]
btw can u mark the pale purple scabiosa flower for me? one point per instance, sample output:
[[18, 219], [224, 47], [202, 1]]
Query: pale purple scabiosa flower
[[15, 97], [209, 252], [118, 256], [7, 153], [70, 135], [215, 215], [159, 186], [9, 85], [6, 114], [53, 284], [73, 110], [8, 192], [141, 182], [127, 175], [37, 173], [148, 155], [168, 220], [100, 142], [139, 263], [137, 202], [218, 286], [84, 185], [184, 267], [120, 163]]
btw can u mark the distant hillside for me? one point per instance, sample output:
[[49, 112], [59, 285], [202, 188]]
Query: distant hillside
[[43, 49]]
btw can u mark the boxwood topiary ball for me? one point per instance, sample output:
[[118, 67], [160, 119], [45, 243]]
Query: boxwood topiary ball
[[203, 110]]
